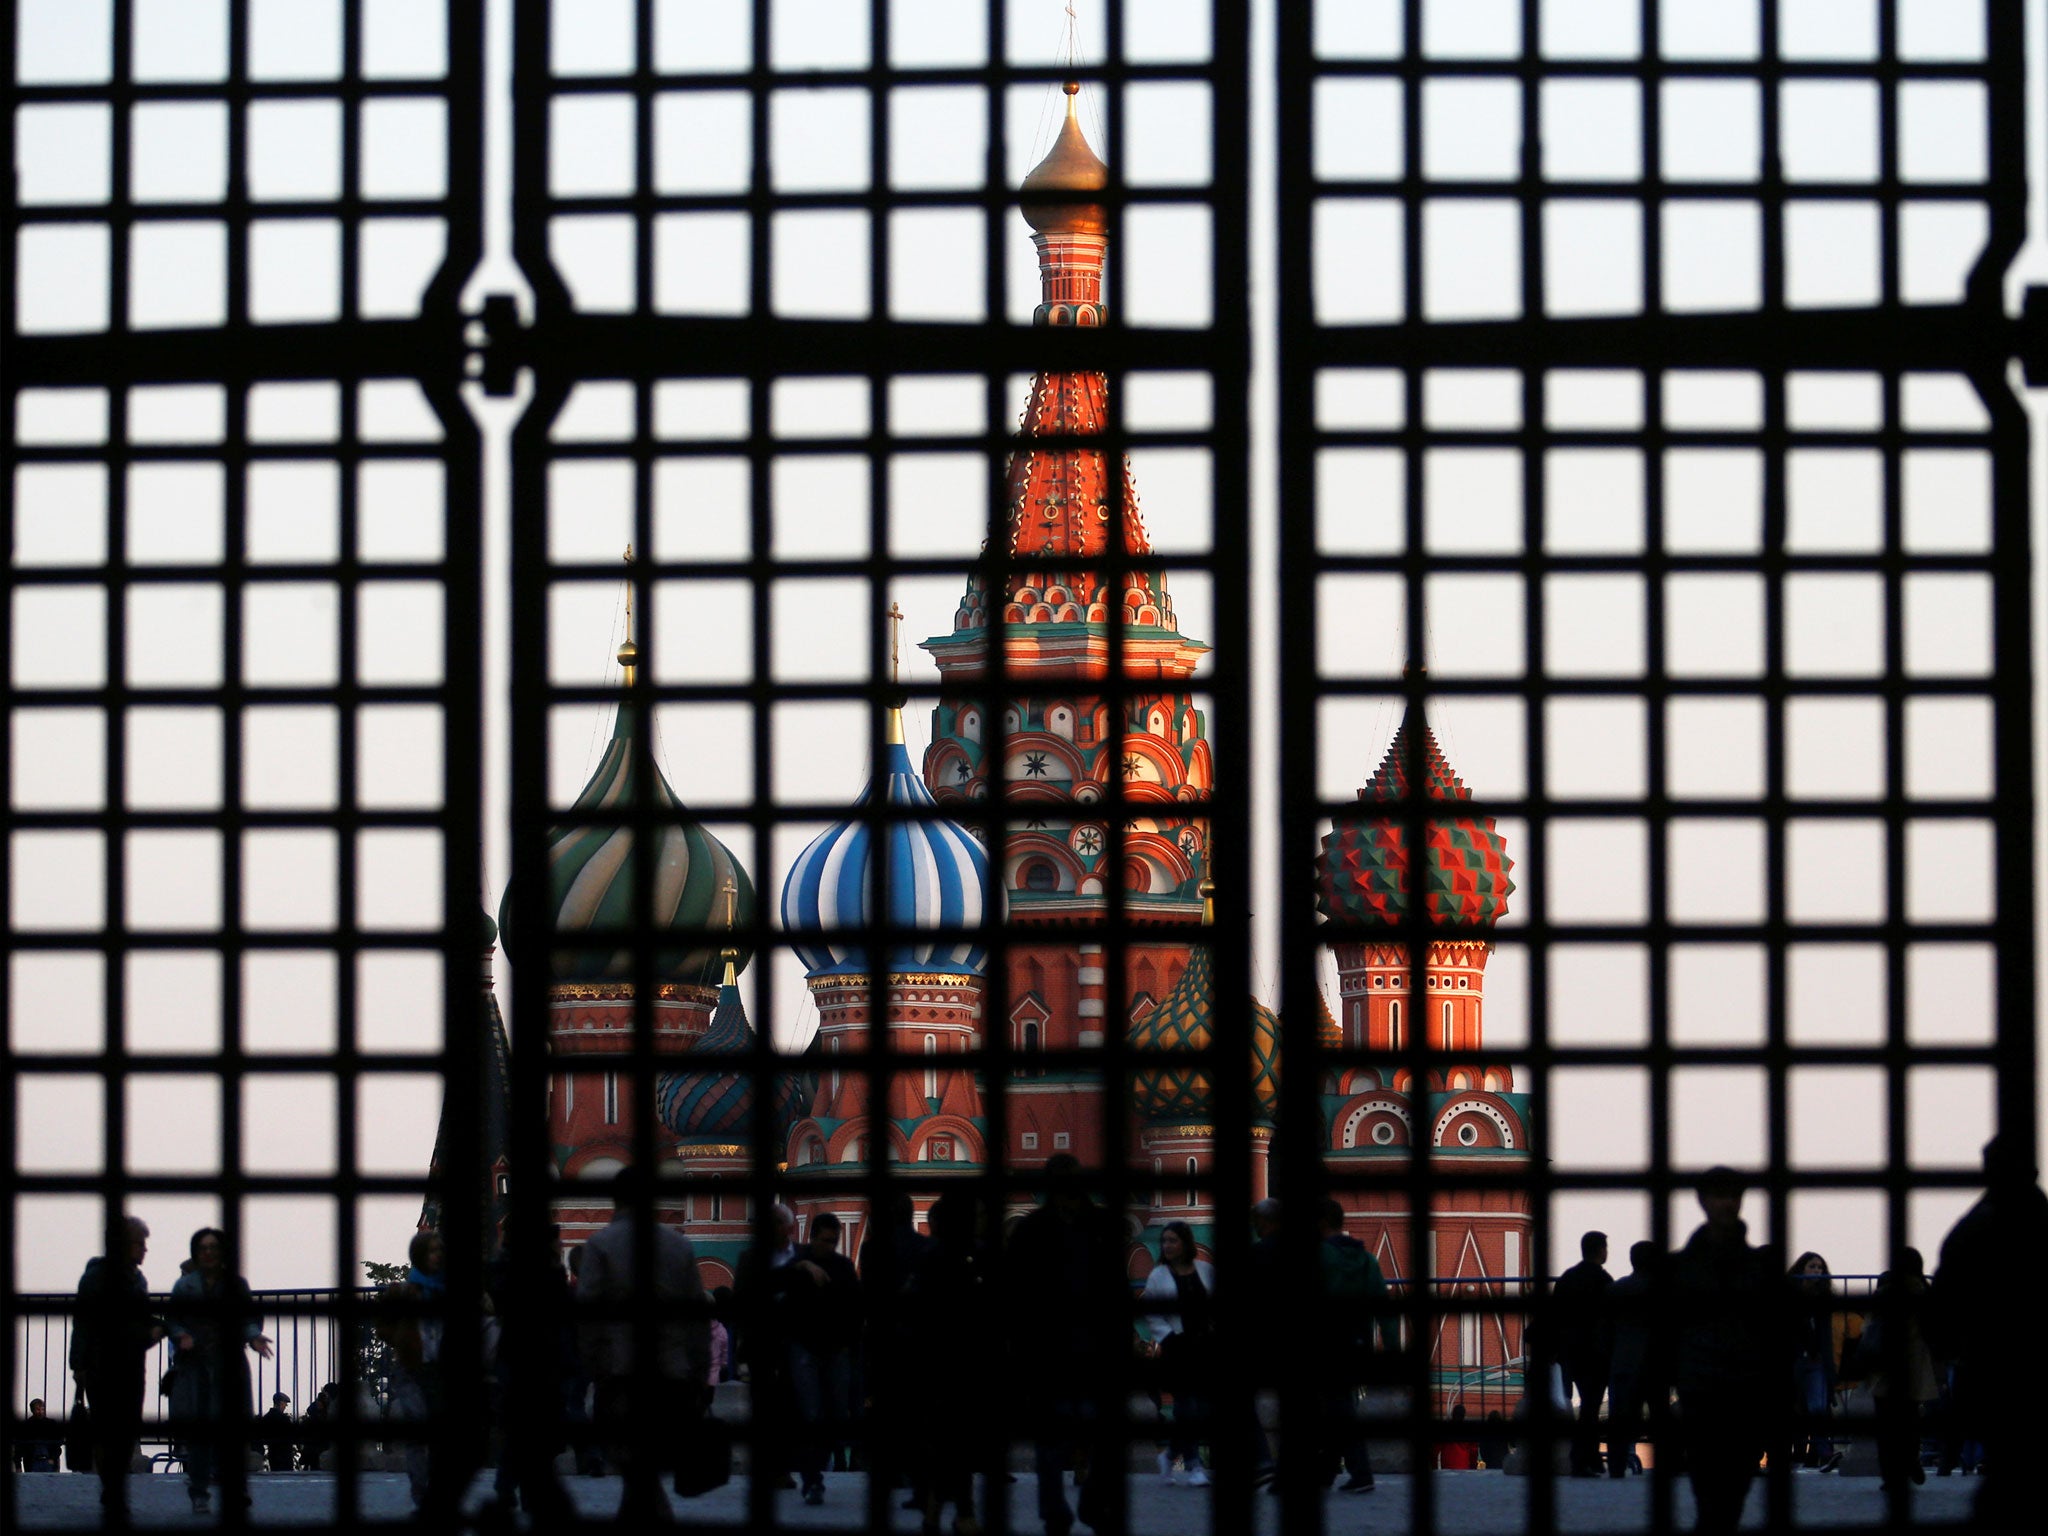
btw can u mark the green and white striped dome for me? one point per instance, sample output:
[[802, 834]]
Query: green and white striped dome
[[592, 871]]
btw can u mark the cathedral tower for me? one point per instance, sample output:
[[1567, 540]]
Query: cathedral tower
[[928, 874], [593, 872], [1465, 1112], [1076, 553]]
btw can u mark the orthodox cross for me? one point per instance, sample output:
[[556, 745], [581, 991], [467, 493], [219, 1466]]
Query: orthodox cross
[[629, 653], [895, 641]]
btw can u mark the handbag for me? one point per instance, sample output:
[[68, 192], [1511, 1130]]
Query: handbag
[[705, 1460]]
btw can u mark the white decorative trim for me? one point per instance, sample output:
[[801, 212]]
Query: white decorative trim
[[1477, 1107]]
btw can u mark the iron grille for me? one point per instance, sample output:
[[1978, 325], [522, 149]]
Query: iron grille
[[1755, 527]]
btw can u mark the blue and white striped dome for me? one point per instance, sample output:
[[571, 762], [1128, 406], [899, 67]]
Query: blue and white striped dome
[[937, 877]]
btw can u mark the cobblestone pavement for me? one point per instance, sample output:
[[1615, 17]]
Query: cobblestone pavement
[[1487, 1502]]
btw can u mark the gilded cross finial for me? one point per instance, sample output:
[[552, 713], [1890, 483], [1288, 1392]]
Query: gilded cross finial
[[895, 643], [629, 653], [730, 954]]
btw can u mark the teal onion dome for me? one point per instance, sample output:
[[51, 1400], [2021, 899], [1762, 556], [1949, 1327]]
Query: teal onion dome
[[712, 1102], [1365, 873], [593, 870], [1169, 1090]]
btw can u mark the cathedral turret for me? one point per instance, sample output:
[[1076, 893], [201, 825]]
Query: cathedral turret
[[1070, 587], [695, 888], [1394, 994], [928, 873]]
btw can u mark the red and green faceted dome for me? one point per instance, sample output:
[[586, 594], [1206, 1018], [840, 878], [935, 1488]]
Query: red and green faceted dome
[[1168, 1091], [1364, 875]]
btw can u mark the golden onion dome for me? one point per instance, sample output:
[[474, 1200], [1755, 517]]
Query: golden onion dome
[[1054, 194]]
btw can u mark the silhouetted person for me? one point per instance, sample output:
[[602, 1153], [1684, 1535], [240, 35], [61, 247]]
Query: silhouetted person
[[1267, 1292], [1990, 1268], [889, 1260], [1630, 1377], [275, 1430], [1354, 1295], [1493, 1440], [314, 1427], [1071, 1315], [536, 1361], [762, 1293], [1580, 1298], [1813, 1362], [589, 1462], [1903, 1381], [645, 1352], [212, 1320], [36, 1445], [1458, 1455], [1728, 1301], [413, 1327], [111, 1336], [824, 1324], [950, 1313]]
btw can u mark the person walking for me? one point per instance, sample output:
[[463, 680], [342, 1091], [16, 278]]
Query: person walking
[[1902, 1380], [824, 1324], [1813, 1364], [413, 1327], [950, 1302], [314, 1428], [1354, 1297], [1630, 1381], [1982, 1285], [1728, 1303], [1580, 1297], [112, 1334], [534, 1362], [889, 1259], [1180, 1325], [212, 1320], [762, 1292], [275, 1430], [1070, 1312], [647, 1355]]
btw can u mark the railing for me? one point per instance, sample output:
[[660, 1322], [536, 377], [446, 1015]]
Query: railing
[[308, 1348], [308, 1345]]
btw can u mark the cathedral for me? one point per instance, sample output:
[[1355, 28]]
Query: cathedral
[[1078, 561]]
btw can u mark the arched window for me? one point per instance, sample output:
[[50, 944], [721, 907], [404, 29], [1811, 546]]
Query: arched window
[[1029, 1040], [611, 1098], [1039, 875], [1447, 1023], [931, 1073], [1394, 1023], [717, 1206], [1194, 1197]]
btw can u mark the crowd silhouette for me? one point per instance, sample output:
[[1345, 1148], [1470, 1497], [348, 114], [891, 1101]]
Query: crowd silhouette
[[920, 1364]]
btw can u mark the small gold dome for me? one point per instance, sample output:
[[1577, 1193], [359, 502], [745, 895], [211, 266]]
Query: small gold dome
[[1070, 167]]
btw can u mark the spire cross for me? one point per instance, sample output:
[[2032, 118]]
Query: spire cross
[[629, 653], [895, 642], [730, 954]]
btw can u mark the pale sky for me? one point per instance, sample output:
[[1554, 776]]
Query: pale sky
[[817, 141]]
